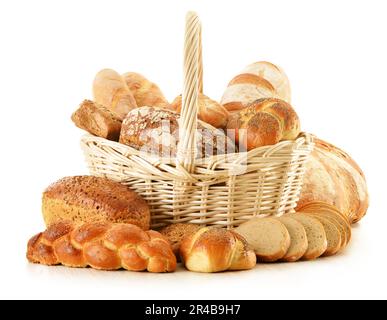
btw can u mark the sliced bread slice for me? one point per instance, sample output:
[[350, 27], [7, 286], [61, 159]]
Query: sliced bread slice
[[332, 232], [317, 239], [328, 209], [267, 236], [337, 217], [298, 239]]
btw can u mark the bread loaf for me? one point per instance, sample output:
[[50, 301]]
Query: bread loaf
[[332, 176], [145, 92], [258, 80], [97, 120], [209, 111], [93, 199], [110, 90], [155, 130], [216, 249], [103, 246], [264, 122], [267, 236], [273, 74], [176, 232]]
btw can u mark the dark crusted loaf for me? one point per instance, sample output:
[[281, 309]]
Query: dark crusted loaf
[[94, 199]]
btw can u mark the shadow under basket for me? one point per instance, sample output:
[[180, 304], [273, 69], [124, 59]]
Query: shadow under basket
[[221, 190]]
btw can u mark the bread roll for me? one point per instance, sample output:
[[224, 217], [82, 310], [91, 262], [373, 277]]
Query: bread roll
[[102, 246], [176, 232], [93, 199], [155, 130], [145, 92], [267, 236], [110, 90], [209, 111], [258, 80], [216, 249], [332, 176], [97, 120], [264, 122]]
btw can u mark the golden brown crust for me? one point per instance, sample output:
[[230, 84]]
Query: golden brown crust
[[209, 111], [264, 122], [145, 92], [97, 120], [155, 130], [108, 246], [93, 199], [110, 90], [176, 232], [248, 78], [215, 250], [332, 176]]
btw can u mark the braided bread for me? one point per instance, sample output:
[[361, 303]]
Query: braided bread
[[264, 122], [216, 249], [103, 246]]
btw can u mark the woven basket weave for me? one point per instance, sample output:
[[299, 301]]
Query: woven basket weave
[[222, 190]]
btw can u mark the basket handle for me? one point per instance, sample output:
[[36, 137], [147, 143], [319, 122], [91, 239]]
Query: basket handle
[[193, 84]]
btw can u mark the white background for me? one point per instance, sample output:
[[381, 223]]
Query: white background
[[334, 53]]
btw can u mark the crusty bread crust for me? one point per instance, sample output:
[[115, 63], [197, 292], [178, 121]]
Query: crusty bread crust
[[93, 199]]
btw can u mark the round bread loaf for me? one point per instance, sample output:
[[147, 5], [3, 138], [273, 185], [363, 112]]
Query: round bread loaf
[[332, 176], [156, 131], [258, 80], [264, 122], [93, 199]]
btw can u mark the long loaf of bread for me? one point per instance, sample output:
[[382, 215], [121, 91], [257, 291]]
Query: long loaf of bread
[[103, 246]]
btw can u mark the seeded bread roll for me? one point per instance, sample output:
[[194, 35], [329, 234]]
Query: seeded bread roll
[[97, 120], [176, 232], [93, 199], [264, 122], [267, 236], [298, 239]]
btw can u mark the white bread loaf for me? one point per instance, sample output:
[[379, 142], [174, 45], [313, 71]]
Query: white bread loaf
[[258, 80]]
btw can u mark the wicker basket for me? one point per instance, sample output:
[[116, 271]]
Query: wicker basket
[[222, 190]]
